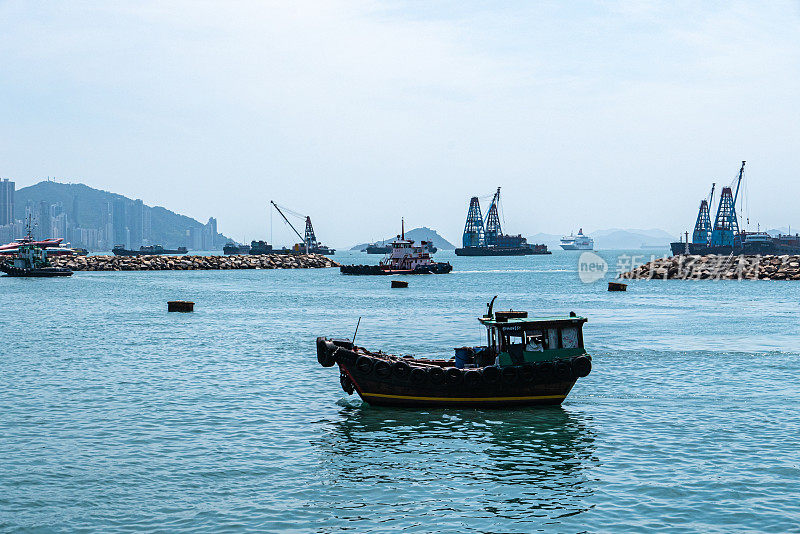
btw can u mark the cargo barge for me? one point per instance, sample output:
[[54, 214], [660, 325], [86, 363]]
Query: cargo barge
[[487, 238], [725, 237], [151, 250]]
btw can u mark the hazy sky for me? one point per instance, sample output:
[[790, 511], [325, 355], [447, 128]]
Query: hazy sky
[[593, 114]]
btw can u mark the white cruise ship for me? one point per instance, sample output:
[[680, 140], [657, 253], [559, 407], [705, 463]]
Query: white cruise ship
[[577, 242]]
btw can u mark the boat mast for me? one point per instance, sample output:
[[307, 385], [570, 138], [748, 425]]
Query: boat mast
[[290, 224]]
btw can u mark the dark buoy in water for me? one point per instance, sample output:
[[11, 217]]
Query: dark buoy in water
[[399, 283], [617, 286], [180, 306]]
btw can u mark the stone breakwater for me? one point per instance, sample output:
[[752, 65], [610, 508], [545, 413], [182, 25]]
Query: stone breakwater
[[693, 267], [192, 263]]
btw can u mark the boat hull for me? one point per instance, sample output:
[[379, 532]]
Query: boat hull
[[44, 272], [381, 381], [434, 268], [382, 393], [501, 251]]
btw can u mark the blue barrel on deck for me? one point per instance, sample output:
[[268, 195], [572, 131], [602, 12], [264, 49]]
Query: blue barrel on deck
[[463, 356]]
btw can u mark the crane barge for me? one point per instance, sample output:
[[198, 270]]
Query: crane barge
[[309, 243], [725, 236], [488, 239]]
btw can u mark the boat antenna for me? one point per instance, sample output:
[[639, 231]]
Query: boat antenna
[[490, 305], [356, 332], [403, 228]]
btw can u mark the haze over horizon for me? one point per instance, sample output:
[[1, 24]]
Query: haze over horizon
[[593, 115]]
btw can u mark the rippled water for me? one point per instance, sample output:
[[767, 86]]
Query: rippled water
[[116, 416]]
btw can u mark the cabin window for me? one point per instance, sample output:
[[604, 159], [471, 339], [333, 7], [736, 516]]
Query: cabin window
[[534, 341], [569, 337], [552, 338]]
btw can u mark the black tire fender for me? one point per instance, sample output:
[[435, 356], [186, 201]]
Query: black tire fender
[[472, 378], [509, 374], [324, 353], [454, 376], [418, 376], [563, 370], [436, 375], [526, 372], [491, 375], [401, 370], [382, 369], [364, 365], [581, 366]]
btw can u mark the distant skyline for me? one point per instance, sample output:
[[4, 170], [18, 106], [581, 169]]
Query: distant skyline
[[358, 113]]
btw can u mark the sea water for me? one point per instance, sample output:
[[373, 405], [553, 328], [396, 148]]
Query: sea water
[[117, 416]]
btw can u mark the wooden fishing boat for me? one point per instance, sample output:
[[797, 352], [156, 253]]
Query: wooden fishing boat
[[527, 361]]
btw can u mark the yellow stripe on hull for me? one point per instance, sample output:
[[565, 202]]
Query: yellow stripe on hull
[[463, 399]]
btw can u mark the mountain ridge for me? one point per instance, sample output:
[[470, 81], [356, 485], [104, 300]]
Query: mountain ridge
[[89, 208], [423, 233]]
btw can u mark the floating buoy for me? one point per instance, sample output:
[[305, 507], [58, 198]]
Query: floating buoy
[[399, 283], [180, 306], [617, 286]]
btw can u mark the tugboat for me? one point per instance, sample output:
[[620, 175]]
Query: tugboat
[[405, 258], [528, 361], [31, 260]]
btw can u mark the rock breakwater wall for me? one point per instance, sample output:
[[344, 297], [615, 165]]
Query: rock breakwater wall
[[192, 263], [711, 267]]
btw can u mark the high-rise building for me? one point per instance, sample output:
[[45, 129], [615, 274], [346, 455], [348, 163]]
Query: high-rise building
[[44, 224], [211, 234], [137, 223], [6, 202], [196, 238], [146, 227], [120, 221]]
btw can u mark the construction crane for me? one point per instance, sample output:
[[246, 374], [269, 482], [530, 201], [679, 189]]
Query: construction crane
[[492, 228], [702, 228], [473, 229], [292, 226], [310, 239], [726, 225]]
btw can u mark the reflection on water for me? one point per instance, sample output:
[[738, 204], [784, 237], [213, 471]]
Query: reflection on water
[[525, 465]]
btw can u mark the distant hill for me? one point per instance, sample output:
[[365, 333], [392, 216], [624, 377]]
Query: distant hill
[[617, 238], [418, 234], [116, 218], [613, 239], [551, 240]]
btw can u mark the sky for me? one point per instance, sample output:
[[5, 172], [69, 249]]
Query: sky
[[357, 113]]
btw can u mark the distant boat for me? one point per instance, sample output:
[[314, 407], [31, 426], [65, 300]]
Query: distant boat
[[150, 250], [577, 242], [232, 248]]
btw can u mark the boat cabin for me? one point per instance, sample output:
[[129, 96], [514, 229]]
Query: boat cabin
[[515, 339]]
